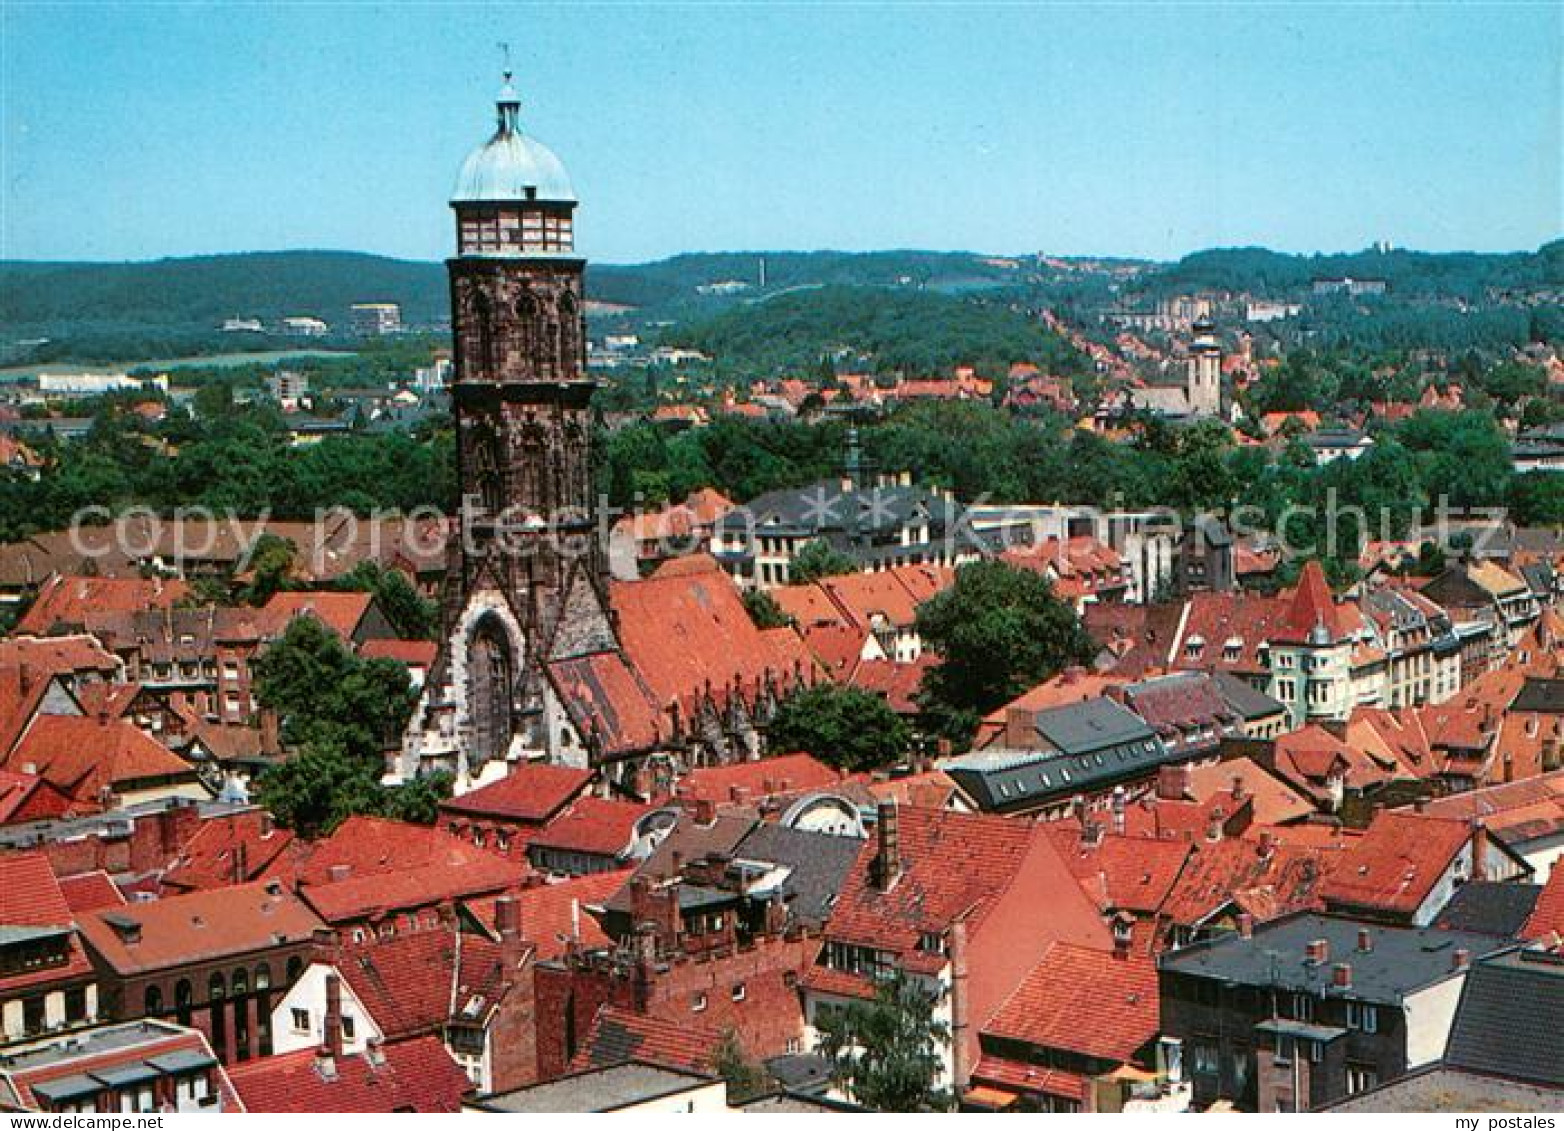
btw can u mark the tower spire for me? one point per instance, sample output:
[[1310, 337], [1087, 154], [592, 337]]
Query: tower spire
[[509, 102]]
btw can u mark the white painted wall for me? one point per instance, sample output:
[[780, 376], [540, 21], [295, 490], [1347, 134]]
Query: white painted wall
[[309, 994], [1429, 1014]]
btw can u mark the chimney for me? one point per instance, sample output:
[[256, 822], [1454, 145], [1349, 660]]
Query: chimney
[[1020, 728], [738, 794], [1091, 831], [1245, 925], [1509, 767], [1214, 825], [336, 873], [1341, 975], [1267, 843], [1479, 849], [1365, 941], [374, 1052], [1173, 782], [1461, 959], [1123, 935], [331, 1028], [1239, 792], [956, 942], [507, 922], [1317, 953], [887, 865], [1420, 805], [705, 811], [1118, 810]]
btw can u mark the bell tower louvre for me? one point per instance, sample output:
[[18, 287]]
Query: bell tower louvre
[[525, 566]]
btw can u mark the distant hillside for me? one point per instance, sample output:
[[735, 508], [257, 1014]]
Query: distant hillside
[[914, 331], [1410, 273]]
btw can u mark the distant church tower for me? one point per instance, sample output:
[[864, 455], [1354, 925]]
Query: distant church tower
[[526, 570], [1203, 385]]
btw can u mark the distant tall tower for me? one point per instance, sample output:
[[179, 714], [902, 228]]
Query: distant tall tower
[[526, 568], [1203, 385]]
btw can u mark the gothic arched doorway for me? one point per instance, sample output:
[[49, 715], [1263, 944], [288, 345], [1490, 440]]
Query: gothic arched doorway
[[490, 684]]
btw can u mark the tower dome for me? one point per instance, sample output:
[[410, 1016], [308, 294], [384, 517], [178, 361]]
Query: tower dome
[[511, 166]]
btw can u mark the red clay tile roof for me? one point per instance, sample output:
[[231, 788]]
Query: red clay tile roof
[[1074, 685], [372, 896], [413, 653], [1264, 883], [68, 600], [234, 848], [532, 792], [1274, 802], [339, 611], [618, 1035], [1309, 608], [592, 825], [1030, 1077], [549, 913], [1129, 873], [59, 654], [404, 981], [1546, 923], [83, 756], [30, 896], [203, 925], [28, 797], [785, 773], [685, 630], [1213, 621], [417, 1075], [898, 684], [90, 891], [1395, 864], [376, 846], [1084, 1001], [609, 705], [954, 865], [1522, 809]]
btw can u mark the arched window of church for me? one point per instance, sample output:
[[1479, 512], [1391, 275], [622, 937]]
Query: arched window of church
[[490, 672], [486, 469], [569, 330], [483, 326], [528, 315]]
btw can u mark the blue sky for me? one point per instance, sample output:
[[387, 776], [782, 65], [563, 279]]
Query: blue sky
[[143, 130]]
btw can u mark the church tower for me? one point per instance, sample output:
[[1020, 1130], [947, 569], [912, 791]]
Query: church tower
[[525, 582], [1203, 390]]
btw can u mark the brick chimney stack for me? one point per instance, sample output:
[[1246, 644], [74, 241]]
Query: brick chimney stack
[[1020, 729], [507, 923], [960, 1023], [1479, 849], [1365, 940], [331, 1027], [887, 865], [1341, 975]]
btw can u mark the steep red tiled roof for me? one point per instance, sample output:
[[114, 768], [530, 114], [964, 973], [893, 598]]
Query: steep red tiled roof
[[898, 684], [197, 927], [68, 600], [686, 630], [28, 797], [1084, 1001], [83, 756], [90, 891], [594, 825], [376, 846], [1546, 923], [1129, 873], [1023, 1077], [618, 1035], [1224, 632], [32, 896], [1523, 809], [339, 611], [608, 703], [785, 773], [551, 914], [404, 981], [234, 848], [416, 1075], [1310, 607], [1395, 864], [954, 865], [1265, 882], [1274, 802], [532, 792], [1074, 685], [370, 896]]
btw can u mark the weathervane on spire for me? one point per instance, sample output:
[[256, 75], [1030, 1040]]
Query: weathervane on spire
[[509, 103]]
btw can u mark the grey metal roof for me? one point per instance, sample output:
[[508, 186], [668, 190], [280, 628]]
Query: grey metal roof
[[603, 1089], [1083, 746], [1490, 908], [1510, 1020], [1542, 695], [1401, 961], [66, 1088], [819, 862], [1243, 697], [511, 166]]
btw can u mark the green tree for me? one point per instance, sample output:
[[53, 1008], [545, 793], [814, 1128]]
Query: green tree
[[764, 610], [845, 727], [886, 1053], [413, 617], [270, 568], [746, 1079], [819, 559], [998, 631]]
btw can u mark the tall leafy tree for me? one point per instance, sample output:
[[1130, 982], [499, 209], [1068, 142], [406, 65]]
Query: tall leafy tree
[[998, 631], [886, 1053], [845, 727], [819, 559]]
